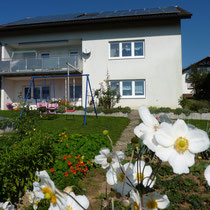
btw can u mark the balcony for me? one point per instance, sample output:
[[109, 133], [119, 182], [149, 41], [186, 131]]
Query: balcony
[[40, 64]]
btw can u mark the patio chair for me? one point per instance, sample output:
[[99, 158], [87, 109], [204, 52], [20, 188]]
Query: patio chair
[[52, 108], [42, 107]]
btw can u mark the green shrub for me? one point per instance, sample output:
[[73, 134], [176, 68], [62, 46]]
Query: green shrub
[[178, 111], [156, 110], [203, 110], [79, 150], [19, 164], [61, 109], [183, 101], [6, 122], [195, 105]]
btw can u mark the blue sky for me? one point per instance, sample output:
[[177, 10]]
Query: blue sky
[[195, 31]]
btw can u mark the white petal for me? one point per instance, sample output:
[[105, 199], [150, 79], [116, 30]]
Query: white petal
[[82, 199], [207, 174], [99, 159], [146, 117], [139, 166], [189, 158], [180, 129], [111, 177], [164, 135], [120, 155], [151, 143], [104, 151], [138, 132], [198, 140], [163, 153], [135, 197], [162, 200], [178, 163]]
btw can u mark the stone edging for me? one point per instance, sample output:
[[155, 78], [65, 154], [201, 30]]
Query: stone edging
[[193, 116]]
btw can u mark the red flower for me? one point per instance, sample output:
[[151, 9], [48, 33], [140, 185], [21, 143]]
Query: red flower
[[69, 163], [69, 156], [15, 145], [157, 118], [72, 168], [74, 172], [64, 157], [66, 174], [52, 170]]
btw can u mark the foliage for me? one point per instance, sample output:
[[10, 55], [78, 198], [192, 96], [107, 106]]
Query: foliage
[[61, 109], [6, 122], [109, 111], [196, 105], [200, 81], [74, 154], [182, 101], [156, 110], [19, 163], [107, 97]]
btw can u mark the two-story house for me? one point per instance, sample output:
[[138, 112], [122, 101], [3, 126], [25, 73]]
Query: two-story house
[[140, 49]]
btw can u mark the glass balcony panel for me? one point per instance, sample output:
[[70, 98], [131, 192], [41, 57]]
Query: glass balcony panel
[[50, 63], [4, 65], [34, 63]]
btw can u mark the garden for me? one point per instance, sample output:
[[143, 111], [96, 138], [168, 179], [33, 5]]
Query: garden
[[63, 153]]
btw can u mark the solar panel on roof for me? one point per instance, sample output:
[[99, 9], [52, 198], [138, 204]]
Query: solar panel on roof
[[83, 16]]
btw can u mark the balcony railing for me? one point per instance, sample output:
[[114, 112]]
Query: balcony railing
[[40, 64]]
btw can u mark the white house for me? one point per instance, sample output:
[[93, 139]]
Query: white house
[[140, 49]]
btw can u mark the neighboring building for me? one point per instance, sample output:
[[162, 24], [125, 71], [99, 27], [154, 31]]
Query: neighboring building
[[203, 64], [140, 49]]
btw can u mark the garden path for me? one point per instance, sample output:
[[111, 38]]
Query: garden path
[[99, 179], [128, 133]]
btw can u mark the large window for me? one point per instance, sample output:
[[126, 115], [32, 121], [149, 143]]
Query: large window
[[37, 93], [75, 91], [129, 88], [127, 49]]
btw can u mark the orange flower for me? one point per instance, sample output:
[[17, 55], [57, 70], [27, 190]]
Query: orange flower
[[64, 157], [66, 174], [69, 163], [52, 170], [69, 156]]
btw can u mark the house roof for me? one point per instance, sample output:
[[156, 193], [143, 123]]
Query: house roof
[[154, 13], [205, 62]]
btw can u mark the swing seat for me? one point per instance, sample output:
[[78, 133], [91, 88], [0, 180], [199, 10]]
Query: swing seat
[[69, 113]]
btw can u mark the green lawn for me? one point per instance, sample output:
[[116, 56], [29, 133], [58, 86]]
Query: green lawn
[[115, 125]]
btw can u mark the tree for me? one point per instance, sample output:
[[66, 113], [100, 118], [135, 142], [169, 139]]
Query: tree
[[200, 81], [107, 97]]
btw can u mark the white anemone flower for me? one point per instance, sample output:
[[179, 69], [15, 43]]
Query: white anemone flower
[[135, 197], [148, 128], [46, 190], [32, 199], [142, 174], [155, 201], [120, 177], [78, 202], [6, 206], [207, 174], [106, 157], [178, 144]]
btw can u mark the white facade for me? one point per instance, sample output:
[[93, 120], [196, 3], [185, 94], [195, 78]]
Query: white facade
[[160, 67]]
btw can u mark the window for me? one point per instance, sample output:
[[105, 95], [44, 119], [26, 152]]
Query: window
[[129, 88], [78, 91], [45, 55], [37, 93], [115, 85], [127, 49], [26, 91]]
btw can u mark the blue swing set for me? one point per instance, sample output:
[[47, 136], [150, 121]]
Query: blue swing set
[[32, 83]]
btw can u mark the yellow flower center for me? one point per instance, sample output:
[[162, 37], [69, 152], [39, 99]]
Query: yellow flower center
[[156, 127], [181, 144], [69, 208], [48, 194], [140, 177], [152, 204], [136, 206], [121, 177]]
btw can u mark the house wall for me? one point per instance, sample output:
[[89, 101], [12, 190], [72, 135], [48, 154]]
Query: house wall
[[186, 86], [160, 67]]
